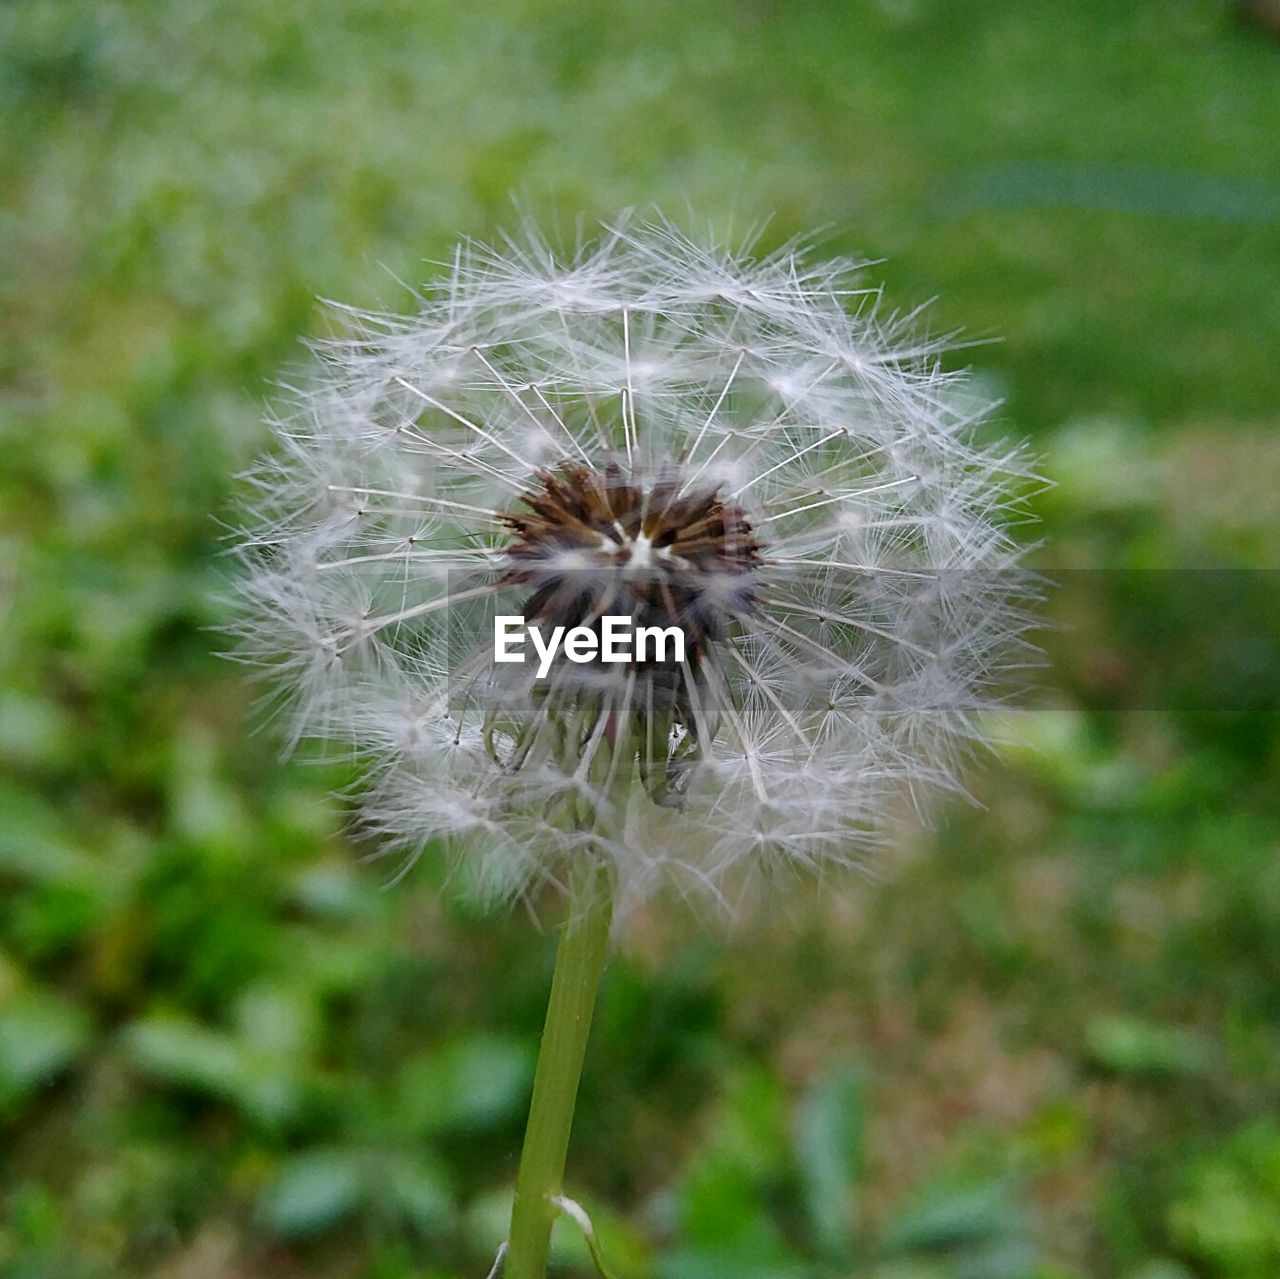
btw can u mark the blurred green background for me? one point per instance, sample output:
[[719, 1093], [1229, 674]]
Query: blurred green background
[[1045, 1043]]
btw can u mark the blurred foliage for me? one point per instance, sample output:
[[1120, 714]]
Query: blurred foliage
[[1044, 1047]]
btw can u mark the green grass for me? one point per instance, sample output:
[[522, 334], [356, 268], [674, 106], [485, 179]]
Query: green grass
[[1045, 1045]]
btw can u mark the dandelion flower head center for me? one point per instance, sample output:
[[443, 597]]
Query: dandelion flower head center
[[666, 553]]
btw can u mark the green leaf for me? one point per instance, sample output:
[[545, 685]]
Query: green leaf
[[722, 1208], [330, 890], [1229, 1215], [278, 1020], [34, 731], [724, 1195], [421, 1193], [1007, 1258], [470, 1083], [752, 1126], [177, 1050], [911, 1268], [312, 1191], [260, 1070], [40, 1034], [718, 1265], [1160, 1268], [35, 846], [1132, 1046], [829, 1135], [955, 1216]]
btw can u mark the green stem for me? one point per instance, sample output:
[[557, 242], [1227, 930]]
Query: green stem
[[580, 963]]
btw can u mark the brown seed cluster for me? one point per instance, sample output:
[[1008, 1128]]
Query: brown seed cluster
[[596, 543]]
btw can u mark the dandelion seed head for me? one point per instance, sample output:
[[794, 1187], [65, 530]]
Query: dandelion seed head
[[748, 448]]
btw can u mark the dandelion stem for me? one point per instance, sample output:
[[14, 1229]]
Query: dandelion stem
[[580, 963]]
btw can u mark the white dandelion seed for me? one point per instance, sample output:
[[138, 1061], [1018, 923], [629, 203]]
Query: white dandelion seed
[[653, 427]]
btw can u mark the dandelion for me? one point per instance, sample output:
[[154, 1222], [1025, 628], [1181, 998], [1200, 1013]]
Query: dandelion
[[651, 430]]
